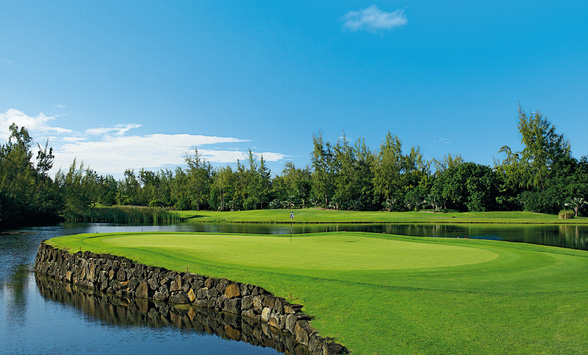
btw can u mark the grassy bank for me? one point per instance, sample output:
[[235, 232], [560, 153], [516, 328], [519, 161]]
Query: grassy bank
[[313, 215], [381, 294]]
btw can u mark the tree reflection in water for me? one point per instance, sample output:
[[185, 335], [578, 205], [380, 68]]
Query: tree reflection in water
[[140, 312], [15, 293]]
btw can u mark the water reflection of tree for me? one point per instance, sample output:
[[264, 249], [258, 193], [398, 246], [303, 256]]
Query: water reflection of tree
[[534, 234], [15, 291], [139, 312], [574, 237]]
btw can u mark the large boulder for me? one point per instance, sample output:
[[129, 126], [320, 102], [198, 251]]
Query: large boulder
[[265, 314], [232, 305], [191, 295], [176, 284], [162, 294], [277, 320], [142, 290], [247, 302], [258, 303], [232, 291], [179, 298], [303, 331], [291, 308], [291, 322], [233, 333]]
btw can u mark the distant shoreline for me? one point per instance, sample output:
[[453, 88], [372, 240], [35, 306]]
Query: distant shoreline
[[320, 216]]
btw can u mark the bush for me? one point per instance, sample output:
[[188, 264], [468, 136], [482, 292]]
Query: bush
[[566, 214]]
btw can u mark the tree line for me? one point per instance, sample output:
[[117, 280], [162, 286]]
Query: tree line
[[542, 177]]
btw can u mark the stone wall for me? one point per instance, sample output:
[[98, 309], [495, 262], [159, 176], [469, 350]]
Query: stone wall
[[125, 278]]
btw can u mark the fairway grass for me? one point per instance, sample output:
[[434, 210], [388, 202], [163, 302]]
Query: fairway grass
[[315, 215], [382, 294]]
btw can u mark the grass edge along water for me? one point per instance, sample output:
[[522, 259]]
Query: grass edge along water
[[317, 215]]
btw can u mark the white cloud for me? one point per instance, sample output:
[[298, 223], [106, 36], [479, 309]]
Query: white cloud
[[374, 19], [231, 156], [60, 106], [74, 139], [119, 129], [40, 123], [109, 151], [442, 141], [115, 154]]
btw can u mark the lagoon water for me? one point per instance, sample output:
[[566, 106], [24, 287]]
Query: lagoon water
[[35, 321], [31, 323]]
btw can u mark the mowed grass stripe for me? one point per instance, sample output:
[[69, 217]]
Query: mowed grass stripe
[[516, 298]]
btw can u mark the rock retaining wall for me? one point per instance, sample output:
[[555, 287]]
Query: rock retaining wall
[[125, 278]]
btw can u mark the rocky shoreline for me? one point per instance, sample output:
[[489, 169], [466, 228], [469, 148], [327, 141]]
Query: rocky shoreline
[[122, 277]]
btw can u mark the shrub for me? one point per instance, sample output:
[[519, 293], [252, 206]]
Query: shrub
[[566, 214]]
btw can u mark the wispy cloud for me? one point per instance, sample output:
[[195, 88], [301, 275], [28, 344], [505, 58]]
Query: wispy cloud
[[374, 19], [38, 123], [231, 156], [441, 141], [60, 106], [74, 139], [119, 129]]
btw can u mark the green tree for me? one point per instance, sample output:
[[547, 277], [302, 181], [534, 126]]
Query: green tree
[[180, 196], [353, 175], [27, 194], [222, 191], [387, 170], [78, 187], [264, 183], [291, 188], [468, 186], [568, 181], [250, 182], [199, 180], [149, 190], [343, 168], [396, 174], [543, 147], [576, 203], [323, 183], [129, 189], [363, 176], [106, 190], [449, 161], [166, 183]]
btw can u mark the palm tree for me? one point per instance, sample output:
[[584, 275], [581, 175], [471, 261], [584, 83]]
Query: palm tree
[[576, 203]]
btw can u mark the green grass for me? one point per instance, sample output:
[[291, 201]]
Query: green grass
[[313, 215], [381, 294]]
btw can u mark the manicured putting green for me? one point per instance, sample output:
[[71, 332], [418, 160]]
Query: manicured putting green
[[326, 252], [384, 294]]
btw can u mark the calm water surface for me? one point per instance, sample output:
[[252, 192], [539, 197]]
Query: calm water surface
[[567, 236], [32, 323], [33, 320]]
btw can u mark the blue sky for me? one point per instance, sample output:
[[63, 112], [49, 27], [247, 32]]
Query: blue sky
[[138, 84]]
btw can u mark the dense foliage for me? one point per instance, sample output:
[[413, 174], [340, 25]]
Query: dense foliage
[[542, 177], [26, 192]]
